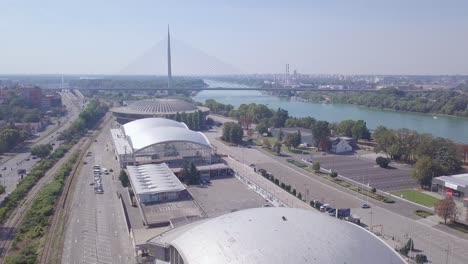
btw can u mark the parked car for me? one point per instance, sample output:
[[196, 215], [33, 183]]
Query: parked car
[[324, 207], [365, 206], [4, 168]]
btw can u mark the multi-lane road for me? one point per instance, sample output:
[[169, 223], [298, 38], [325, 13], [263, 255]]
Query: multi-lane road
[[96, 231], [22, 159]]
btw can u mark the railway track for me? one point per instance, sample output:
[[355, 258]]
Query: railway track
[[9, 227]]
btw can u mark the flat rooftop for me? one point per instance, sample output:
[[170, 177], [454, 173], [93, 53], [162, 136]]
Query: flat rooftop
[[177, 212], [458, 179], [153, 178], [225, 195], [120, 142], [216, 166]]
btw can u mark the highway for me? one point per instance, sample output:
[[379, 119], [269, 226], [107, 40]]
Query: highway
[[96, 231], [396, 222], [22, 159]]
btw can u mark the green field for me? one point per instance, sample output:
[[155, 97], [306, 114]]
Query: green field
[[418, 197]]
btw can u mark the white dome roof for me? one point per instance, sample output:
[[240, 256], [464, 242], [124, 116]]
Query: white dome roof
[[277, 235]]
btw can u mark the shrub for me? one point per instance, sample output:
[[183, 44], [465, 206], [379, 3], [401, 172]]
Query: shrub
[[316, 166], [333, 174], [382, 162], [420, 258], [373, 190]]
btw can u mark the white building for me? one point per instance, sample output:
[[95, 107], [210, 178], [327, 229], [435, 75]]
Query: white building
[[154, 183], [271, 235], [158, 140], [341, 145]]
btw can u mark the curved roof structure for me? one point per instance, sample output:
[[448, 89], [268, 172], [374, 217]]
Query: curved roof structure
[[158, 107], [277, 235], [157, 135], [140, 125]]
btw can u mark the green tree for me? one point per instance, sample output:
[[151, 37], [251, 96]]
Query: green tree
[[277, 147], [232, 132], [262, 128], [320, 131], [42, 150], [279, 118], [123, 177], [316, 166], [10, 136], [382, 162], [360, 130], [177, 117], [345, 127], [298, 138], [266, 143], [280, 135], [424, 170], [193, 175]]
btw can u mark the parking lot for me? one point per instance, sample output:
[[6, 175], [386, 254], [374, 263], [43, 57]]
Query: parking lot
[[368, 172], [225, 195]]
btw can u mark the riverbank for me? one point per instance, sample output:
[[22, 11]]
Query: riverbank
[[453, 128]]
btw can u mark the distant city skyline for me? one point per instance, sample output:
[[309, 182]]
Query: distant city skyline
[[314, 37]]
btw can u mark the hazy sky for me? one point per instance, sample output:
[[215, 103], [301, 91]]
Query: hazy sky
[[348, 37]]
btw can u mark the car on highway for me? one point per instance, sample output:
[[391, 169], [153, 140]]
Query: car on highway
[[365, 206]]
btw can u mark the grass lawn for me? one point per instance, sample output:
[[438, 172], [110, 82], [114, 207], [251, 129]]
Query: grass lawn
[[417, 197]]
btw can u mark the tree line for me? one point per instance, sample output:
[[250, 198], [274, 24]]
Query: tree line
[[441, 102], [194, 121], [431, 156], [87, 119]]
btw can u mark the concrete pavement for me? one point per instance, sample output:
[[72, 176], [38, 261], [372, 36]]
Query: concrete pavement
[[96, 231]]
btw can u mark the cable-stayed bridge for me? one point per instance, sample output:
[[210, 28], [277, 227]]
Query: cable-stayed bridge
[[171, 64]]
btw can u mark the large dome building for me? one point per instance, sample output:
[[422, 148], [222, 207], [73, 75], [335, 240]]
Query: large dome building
[[271, 235], [165, 108]]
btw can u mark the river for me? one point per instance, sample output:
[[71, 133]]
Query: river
[[453, 128]]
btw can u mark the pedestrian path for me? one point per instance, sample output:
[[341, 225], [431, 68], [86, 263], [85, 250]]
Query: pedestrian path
[[276, 193]]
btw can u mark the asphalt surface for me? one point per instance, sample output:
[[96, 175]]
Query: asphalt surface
[[22, 159], [396, 221], [96, 231], [366, 171]]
